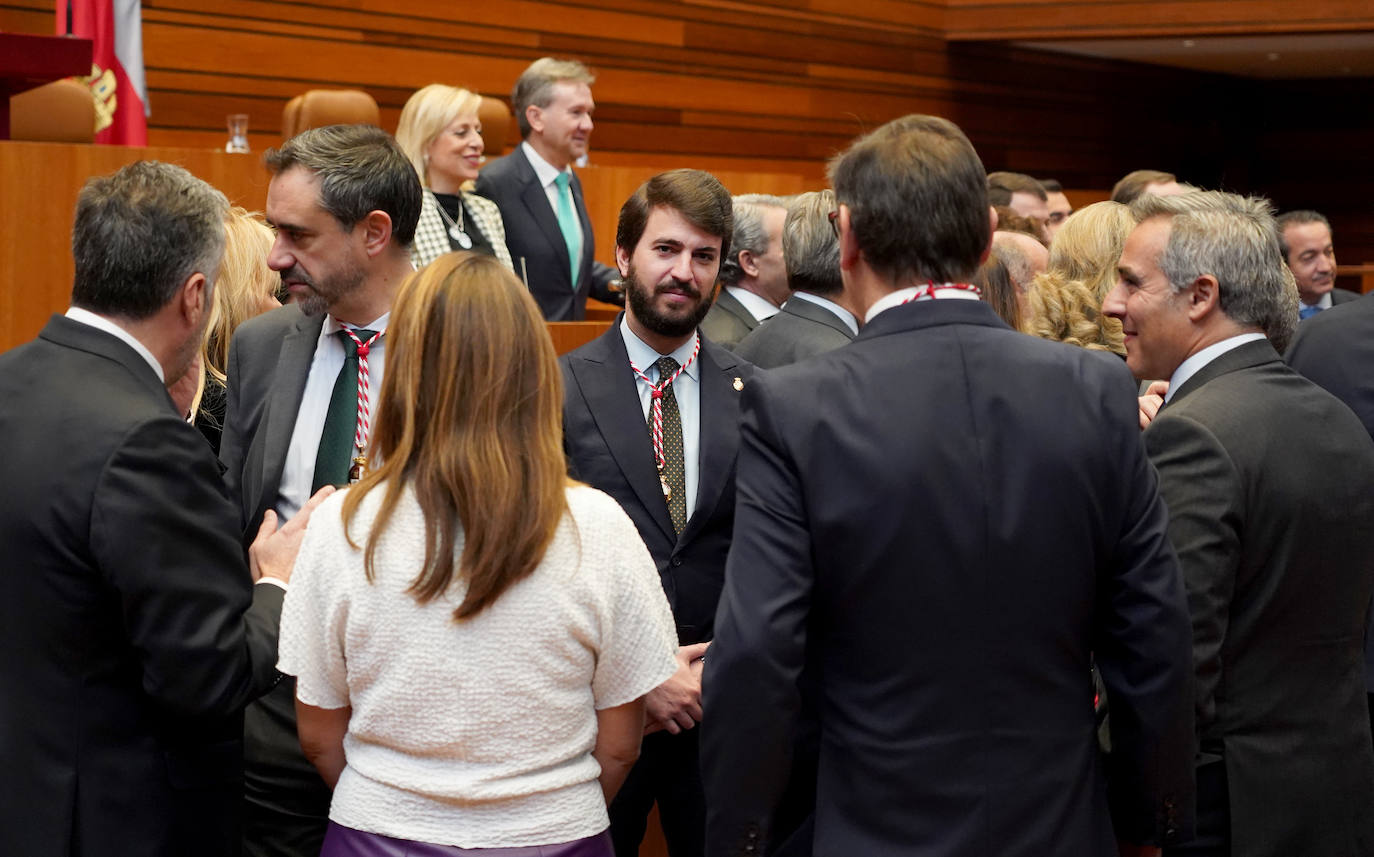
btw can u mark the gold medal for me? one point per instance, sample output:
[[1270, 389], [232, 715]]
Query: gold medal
[[358, 469], [739, 385]]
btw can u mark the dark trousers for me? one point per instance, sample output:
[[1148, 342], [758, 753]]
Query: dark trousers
[[1213, 837], [286, 804], [666, 774]]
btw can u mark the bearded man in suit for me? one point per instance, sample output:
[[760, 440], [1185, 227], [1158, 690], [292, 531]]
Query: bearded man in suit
[[651, 417], [344, 202]]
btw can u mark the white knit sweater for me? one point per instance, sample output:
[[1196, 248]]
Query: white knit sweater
[[476, 733]]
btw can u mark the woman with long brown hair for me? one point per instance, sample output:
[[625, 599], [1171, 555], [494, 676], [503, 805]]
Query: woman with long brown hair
[[472, 632]]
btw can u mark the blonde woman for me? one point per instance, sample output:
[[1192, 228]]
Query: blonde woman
[[472, 632], [441, 135], [246, 287], [1065, 303]]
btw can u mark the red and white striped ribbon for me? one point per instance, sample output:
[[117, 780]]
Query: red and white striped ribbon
[[656, 394], [928, 291], [364, 428]]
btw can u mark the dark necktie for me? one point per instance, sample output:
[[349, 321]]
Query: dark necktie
[[674, 472], [341, 420]]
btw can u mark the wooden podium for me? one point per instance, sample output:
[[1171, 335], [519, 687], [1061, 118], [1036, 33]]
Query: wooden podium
[[27, 61]]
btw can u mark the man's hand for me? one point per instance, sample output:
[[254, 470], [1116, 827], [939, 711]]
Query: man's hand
[[675, 705], [183, 390], [1152, 401], [273, 552]]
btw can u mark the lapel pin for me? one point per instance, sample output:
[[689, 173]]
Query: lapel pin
[[739, 385]]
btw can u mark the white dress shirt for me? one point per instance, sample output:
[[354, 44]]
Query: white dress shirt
[[758, 307], [844, 315], [298, 474], [687, 392], [100, 322], [1190, 367], [548, 174]]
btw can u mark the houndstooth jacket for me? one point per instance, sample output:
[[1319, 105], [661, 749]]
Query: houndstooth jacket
[[431, 235]]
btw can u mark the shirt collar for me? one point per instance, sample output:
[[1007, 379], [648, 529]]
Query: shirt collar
[[845, 315], [1190, 367], [643, 357], [332, 325], [546, 172], [759, 308], [1323, 302], [900, 296], [100, 322]]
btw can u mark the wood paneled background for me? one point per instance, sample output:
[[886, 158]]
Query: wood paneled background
[[777, 86]]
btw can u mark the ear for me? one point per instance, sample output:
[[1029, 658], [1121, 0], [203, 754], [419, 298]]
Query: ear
[[193, 299], [622, 261], [1203, 296], [992, 227], [748, 264], [535, 117], [376, 226], [849, 244]]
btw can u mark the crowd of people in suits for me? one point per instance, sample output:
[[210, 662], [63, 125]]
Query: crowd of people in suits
[[919, 515]]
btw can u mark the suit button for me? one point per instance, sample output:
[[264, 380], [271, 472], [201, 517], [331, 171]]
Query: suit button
[[677, 562]]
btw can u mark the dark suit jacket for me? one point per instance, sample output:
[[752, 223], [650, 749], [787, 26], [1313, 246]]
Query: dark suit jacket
[[132, 633], [532, 234], [1268, 482], [608, 447], [728, 321], [1341, 296], [938, 526], [269, 364], [800, 330], [1335, 349]]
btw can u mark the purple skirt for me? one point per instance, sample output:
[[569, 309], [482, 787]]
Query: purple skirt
[[340, 841]]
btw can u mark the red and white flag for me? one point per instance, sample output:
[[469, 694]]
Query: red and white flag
[[115, 28]]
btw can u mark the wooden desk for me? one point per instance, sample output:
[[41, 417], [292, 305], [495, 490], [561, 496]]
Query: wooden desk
[[39, 183]]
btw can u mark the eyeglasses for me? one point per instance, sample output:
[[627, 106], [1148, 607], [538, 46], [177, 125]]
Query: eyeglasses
[[834, 222]]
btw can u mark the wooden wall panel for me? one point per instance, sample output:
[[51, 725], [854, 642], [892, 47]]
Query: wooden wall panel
[[779, 86], [1050, 19]]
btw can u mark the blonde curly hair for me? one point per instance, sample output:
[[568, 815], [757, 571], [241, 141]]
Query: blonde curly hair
[[1065, 303]]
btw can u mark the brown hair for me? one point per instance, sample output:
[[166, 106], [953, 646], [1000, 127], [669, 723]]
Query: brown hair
[[1133, 184], [696, 195], [999, 292], [917, 198], [470, 418], [1001, 185]]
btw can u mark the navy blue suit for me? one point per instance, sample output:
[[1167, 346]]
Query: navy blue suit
[[938, 527]]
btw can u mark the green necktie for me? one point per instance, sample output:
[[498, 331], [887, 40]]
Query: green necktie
[[674, 472], [341, 420], [567, 222]]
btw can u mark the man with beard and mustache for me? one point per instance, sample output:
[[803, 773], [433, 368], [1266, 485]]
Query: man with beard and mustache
[[344, 201], [651, 417]]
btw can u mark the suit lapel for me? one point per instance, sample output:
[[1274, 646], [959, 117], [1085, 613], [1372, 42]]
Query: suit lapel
[[718, 434], [537, 205], [732, 305], [813, 312], [1241, 357], [604, 377], [288, 388]]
